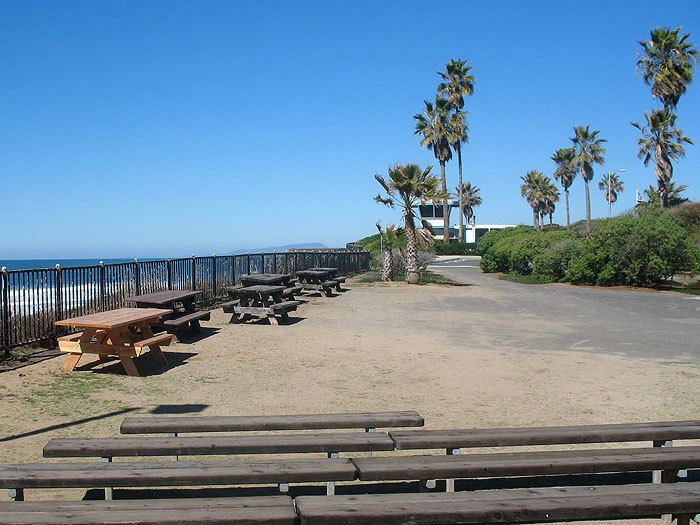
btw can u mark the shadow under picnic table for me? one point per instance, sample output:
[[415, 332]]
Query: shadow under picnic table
[[145, 364]]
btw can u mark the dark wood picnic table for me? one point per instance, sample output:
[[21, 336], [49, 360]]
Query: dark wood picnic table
[[260, 300], [180, 302], [332, 272], [281, 279], [317, 279]]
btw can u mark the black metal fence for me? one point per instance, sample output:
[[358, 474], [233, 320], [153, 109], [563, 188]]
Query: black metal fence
[[31, 300]]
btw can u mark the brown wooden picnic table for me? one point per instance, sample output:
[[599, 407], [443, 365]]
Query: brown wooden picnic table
[[332, 272], [281, 279], [180, 302], [260, 300], [124, 333]]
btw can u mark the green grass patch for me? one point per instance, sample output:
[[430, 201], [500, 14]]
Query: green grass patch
[[426, 277], [527, 279]]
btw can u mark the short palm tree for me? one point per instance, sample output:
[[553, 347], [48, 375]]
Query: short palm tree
[[565, 174], [389, 238], [612, 185], [588, 150], [470, 198], [407, 185], [436, 127], [458, 82], [674, 193], [549, 196], [663, 142], [531, 190], [667, 62]]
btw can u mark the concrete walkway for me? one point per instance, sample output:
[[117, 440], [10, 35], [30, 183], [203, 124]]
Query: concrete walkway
[[637, 323]]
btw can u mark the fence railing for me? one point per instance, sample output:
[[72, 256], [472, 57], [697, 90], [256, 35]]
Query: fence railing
[[32, 300]]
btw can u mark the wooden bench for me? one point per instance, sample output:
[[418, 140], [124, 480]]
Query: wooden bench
[[230, 305], [504, 506], [270, 312], [325, 287], [70, 338], [328, 443], [192, 319], [338, 282], [268, 510], [158, 340], [290, 292], [179, 424], [541, 463], [18, 478]]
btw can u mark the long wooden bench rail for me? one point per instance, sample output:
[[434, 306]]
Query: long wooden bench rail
[[268, 510], [213, 445], [500, 437], [17, 478], [541, 463], [179, 424], [504, 506], [162, 339], [188, 318]]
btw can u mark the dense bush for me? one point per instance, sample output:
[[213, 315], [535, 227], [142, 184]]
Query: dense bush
[[455, 248], [643, 250]]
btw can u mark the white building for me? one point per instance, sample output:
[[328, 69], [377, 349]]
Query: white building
[[433, 215]]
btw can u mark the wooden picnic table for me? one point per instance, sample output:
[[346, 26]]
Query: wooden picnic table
[[251, 279], [319, 280], [123, 333], [180, 302], [332, 272], [260, 300]]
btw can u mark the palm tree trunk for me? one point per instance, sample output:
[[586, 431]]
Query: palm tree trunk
[[568, 217], [461, 201], [535, 219], [412, 276], [388, 264], [664, 172], [445, 207], [588, 206]]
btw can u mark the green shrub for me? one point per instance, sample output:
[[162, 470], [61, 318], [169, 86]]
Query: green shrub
[[515, 253], [490, 261], [554, 260], [687, 215], [455, 248], [641, 251]]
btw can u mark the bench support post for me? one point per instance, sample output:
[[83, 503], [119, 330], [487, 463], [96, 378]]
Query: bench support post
[[108, 490], [174, 434], [330, 485], [16, 494], [662, 476], [426, 485], [369, 452], [283, 488], [450, 483]]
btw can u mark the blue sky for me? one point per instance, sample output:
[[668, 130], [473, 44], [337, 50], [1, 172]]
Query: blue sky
[[158, 129]]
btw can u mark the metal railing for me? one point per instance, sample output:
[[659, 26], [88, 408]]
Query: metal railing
[[32, 300]]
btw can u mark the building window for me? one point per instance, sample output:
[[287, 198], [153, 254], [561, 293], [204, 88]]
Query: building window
[[426, 211]]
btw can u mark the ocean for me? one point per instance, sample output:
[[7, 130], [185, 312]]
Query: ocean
[[34, 264]]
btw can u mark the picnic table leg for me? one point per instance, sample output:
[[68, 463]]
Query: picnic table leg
[[129, 366], [330, 485], [71, 362], [157, 354]]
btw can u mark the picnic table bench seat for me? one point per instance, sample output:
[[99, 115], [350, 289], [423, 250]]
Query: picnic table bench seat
[[161, 339], [201, 315], [330, 443], [17, 478], [178, 424], [292, 291], [268, 510], [541, 505], [659, 433], [285, 306], [228, 306], [540, 463]]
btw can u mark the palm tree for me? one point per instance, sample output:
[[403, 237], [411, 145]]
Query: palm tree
[[458, 82], [388, 237], [667, 64], [436, 127], [470, 198], [588, 150], [565, 174], [611, 184], [664, 142], [407, 185], [674, 193], [531, 189]]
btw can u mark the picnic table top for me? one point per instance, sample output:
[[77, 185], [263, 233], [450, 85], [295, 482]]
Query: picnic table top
[[165, 297], [257, 289], [114, 318], [316, 269], [319, 273], [265, 278]]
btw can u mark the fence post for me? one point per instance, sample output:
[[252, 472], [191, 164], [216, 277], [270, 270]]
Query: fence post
[[169, 272], [194, 273], [5, 312], [137, 276], [248, 264], [58, 299], [101, 272], [213, 276]]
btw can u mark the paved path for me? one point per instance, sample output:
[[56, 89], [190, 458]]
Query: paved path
[[646, 324]]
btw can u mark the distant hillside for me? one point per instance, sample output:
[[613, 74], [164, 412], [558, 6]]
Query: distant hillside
[[284, 248]]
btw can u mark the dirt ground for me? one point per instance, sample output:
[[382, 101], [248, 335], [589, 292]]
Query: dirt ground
[[376, 347]]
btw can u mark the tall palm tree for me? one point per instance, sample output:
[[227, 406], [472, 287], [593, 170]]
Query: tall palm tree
[[437, 130], [611, 184], [458, 82], [531, 190], [588, 150], [470, 198], [407, 185], [667, 62], [662, 141], [565, 174]]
